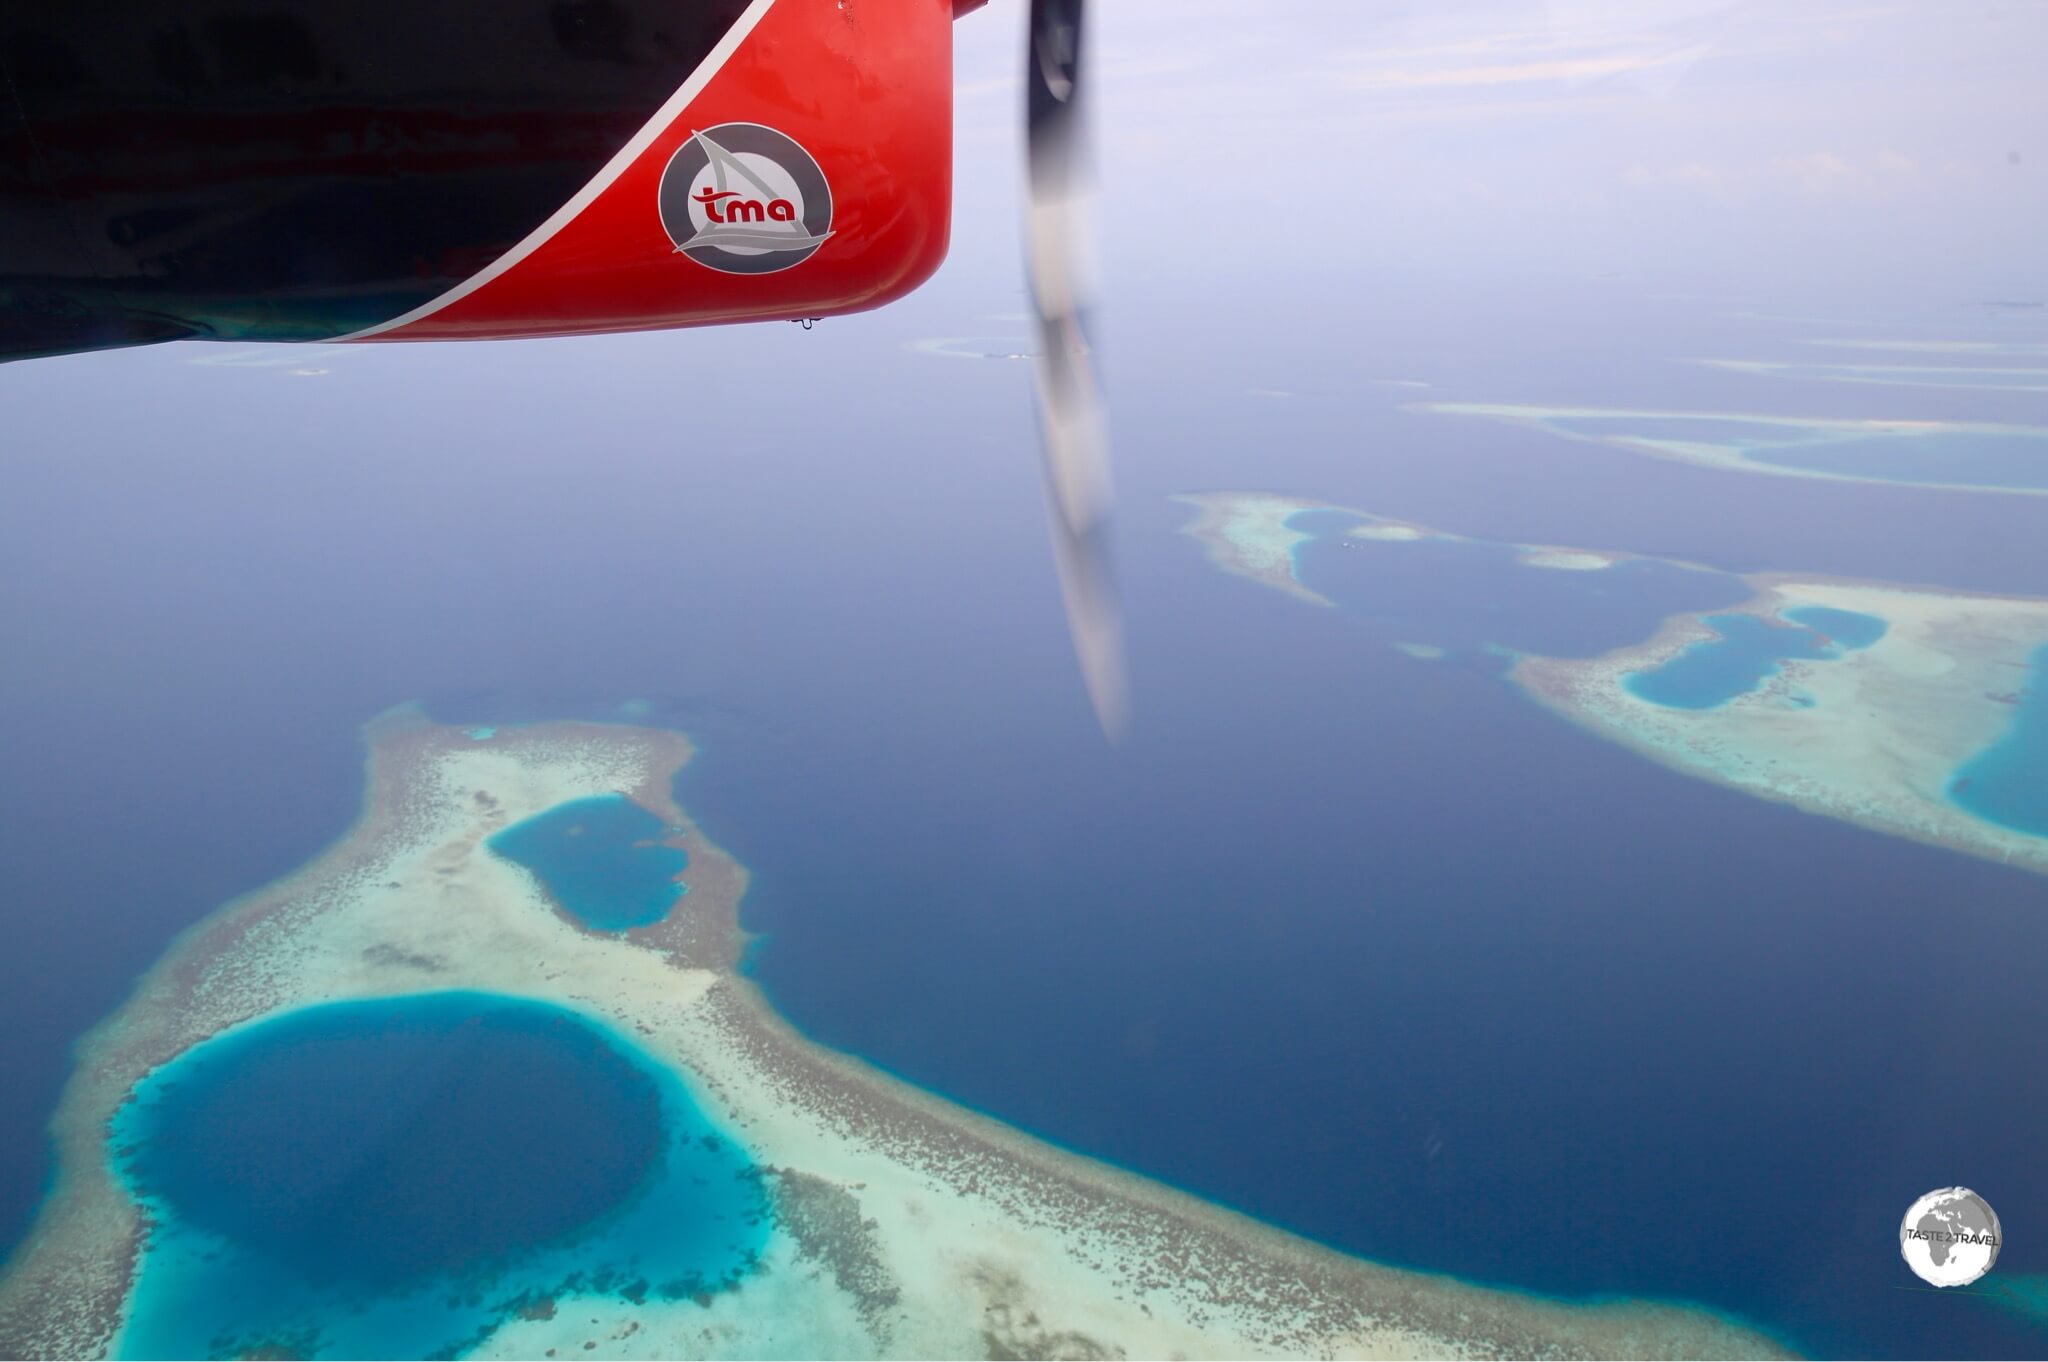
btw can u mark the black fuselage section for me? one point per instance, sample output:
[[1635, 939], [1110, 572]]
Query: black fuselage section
[[299, 169]]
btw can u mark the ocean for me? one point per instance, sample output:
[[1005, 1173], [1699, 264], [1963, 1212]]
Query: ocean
[[411, 1171], [1372, 948]]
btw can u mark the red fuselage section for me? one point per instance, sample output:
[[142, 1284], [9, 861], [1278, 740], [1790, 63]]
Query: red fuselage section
[[444, 169]]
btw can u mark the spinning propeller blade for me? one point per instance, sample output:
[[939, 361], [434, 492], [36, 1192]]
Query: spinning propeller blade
[[1071, 425]]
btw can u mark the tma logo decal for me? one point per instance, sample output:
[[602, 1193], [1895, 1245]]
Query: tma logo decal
[[744, 210], [744, 199]]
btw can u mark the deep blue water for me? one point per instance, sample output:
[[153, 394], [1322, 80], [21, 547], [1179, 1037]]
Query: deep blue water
[[1371, 947], [2008, 781], [1707, 430], [1744, 654], [597, 859], [1480, 603], [1467, 596], [390, 1178]]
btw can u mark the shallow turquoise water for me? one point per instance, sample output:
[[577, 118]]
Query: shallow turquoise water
[[2007, 782], [1715, 671], [598, 859], [395, 1177], [1843, 628]]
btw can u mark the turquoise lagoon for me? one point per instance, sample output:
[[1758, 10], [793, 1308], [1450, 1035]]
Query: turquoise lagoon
[[600, 860], [1747, 652], [1844, 628], [2007, 782], [396, 1177]]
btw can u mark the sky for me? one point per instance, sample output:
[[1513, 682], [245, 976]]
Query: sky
[[1829, 148]]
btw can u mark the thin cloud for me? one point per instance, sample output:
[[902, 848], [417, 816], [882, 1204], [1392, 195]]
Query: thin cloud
[[1560, 70]]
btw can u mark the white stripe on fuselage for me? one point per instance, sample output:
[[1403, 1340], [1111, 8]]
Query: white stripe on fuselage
[[665, 116]]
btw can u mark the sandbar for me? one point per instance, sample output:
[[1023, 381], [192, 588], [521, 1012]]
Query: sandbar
[[1750, 442], [1250, 534], [1247, 535], [1979, 377], [1937, 347]]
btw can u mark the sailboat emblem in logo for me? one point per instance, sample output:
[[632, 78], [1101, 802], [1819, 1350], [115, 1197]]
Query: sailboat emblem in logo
[[744, 199]]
